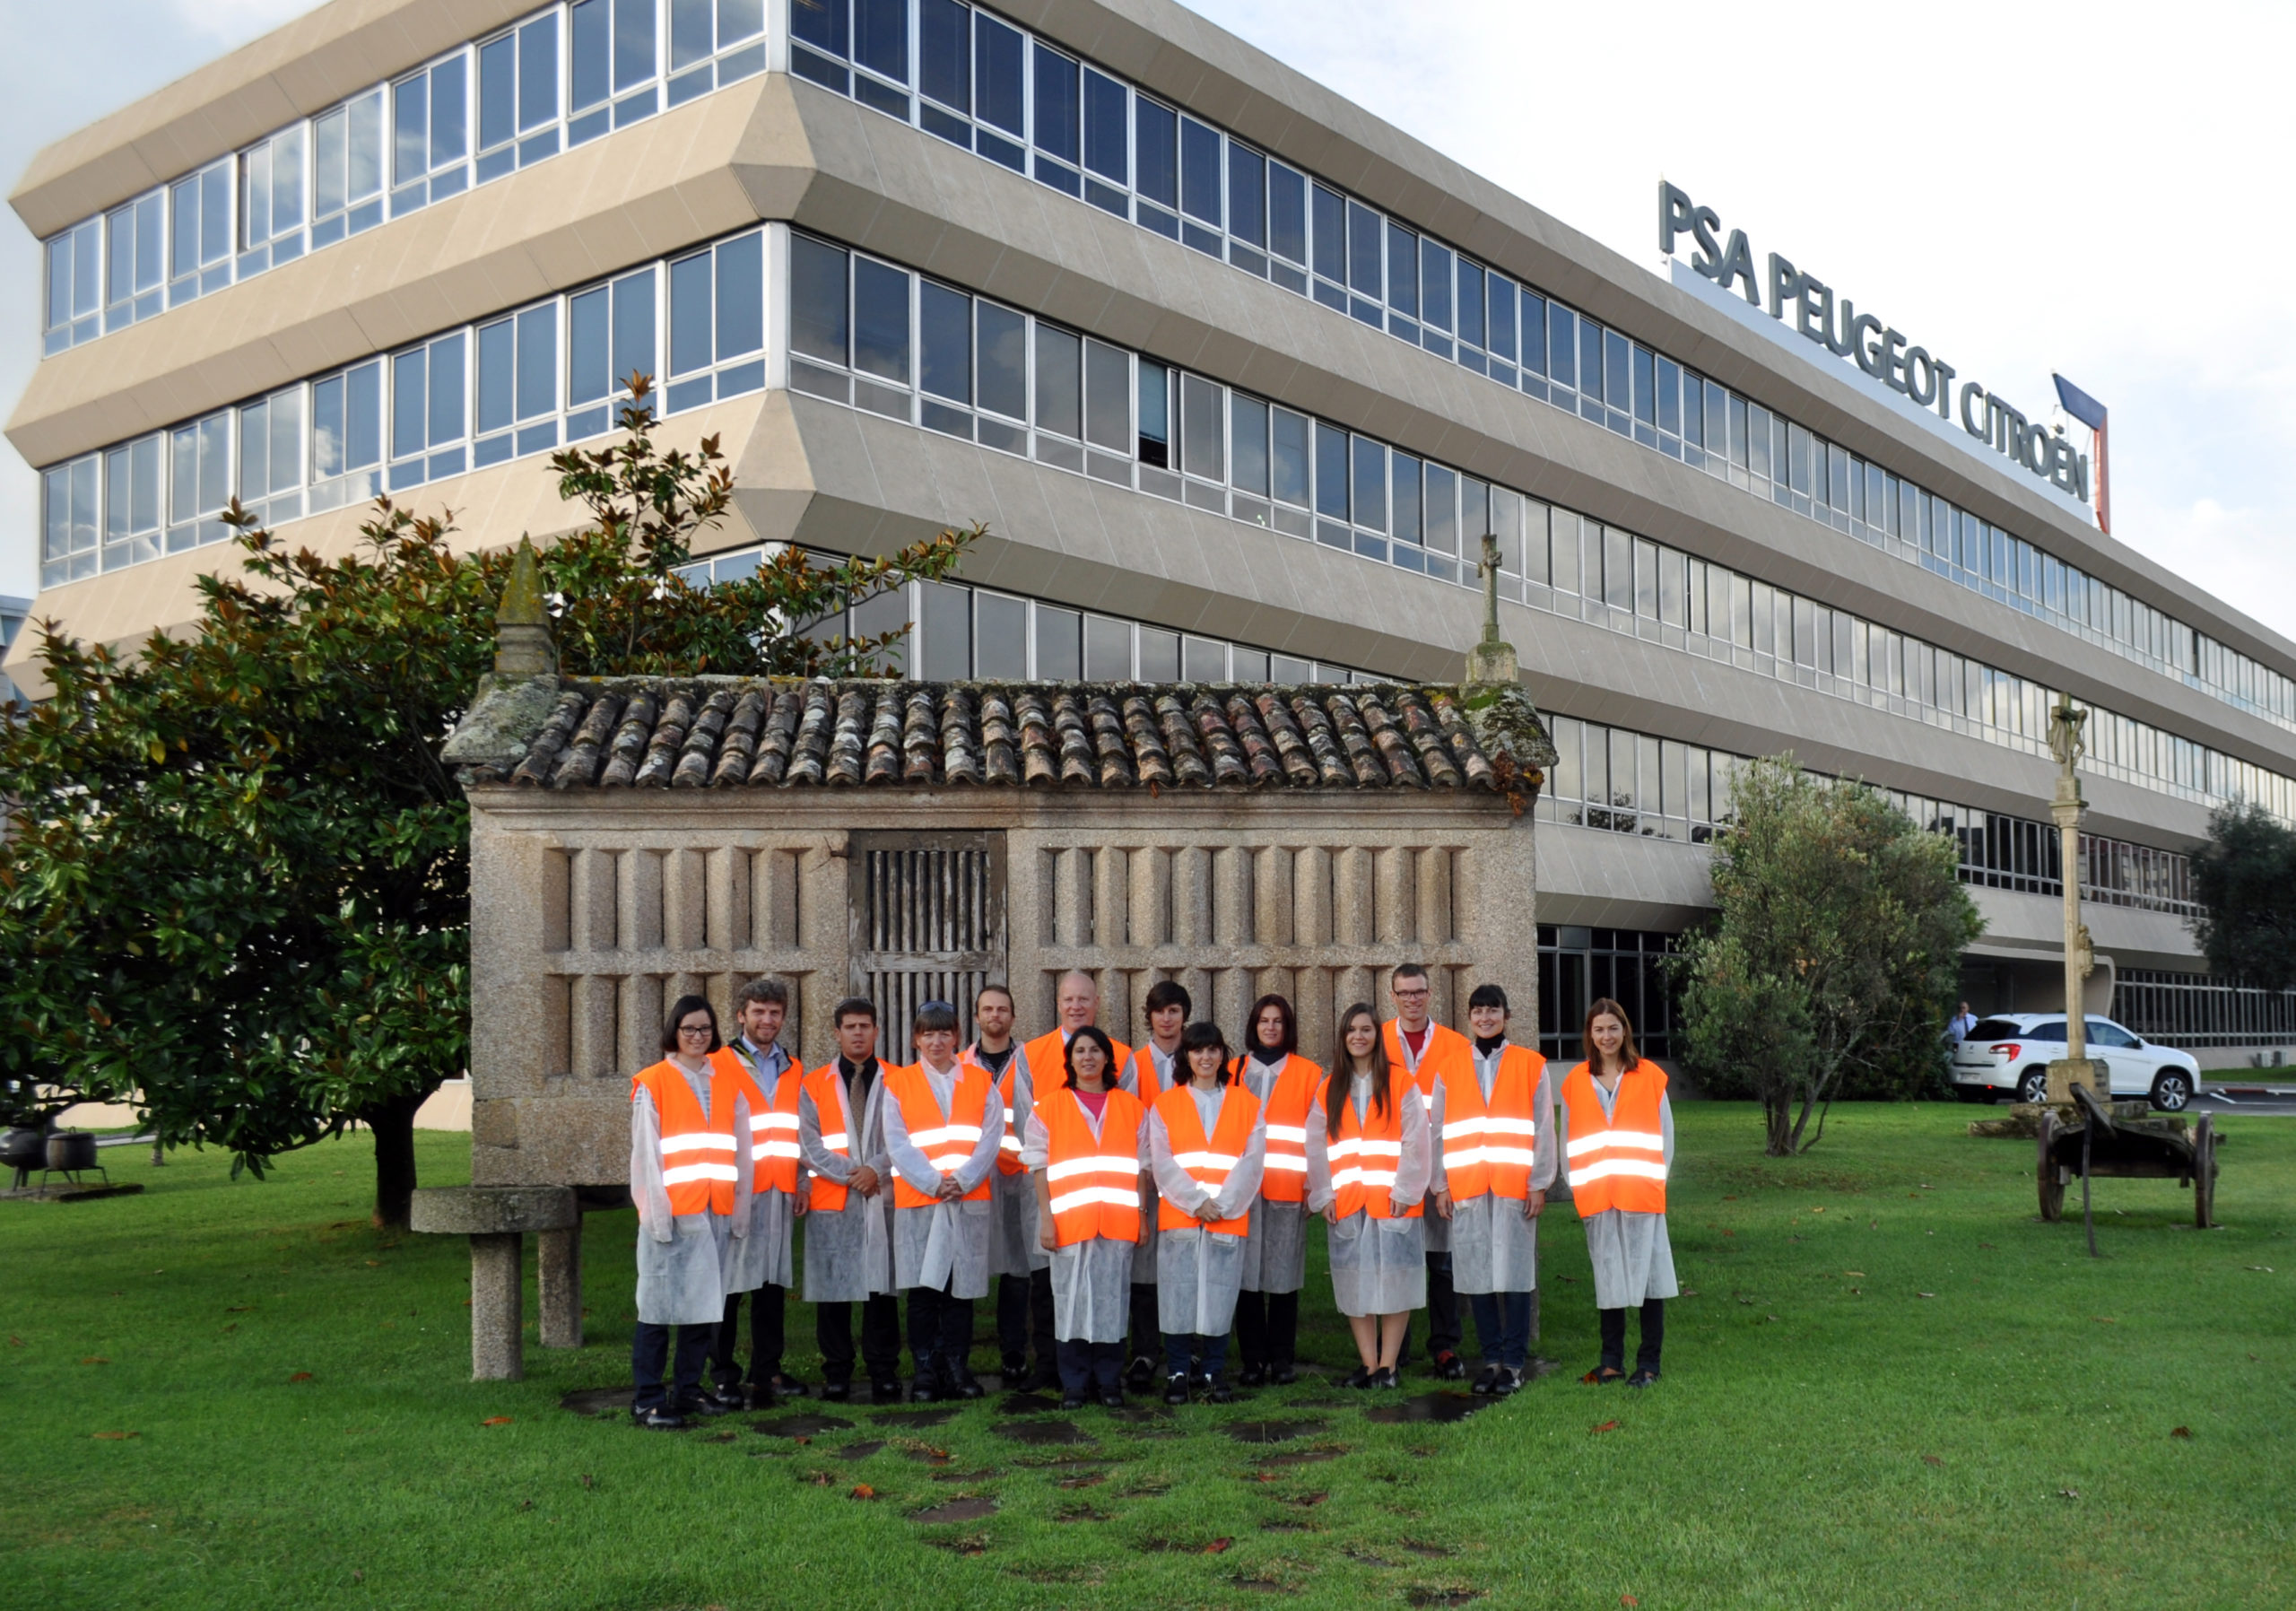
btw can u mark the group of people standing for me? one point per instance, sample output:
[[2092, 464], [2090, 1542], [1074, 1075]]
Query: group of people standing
[[1133, 1207]]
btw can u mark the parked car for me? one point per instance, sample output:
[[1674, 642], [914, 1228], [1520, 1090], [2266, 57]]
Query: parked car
[[2009, 1054]]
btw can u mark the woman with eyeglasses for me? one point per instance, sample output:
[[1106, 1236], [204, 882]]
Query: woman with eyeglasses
[[1369, 1158], [1207, 1139], [685, 1112], [1617, 1135], [1084, 1150]]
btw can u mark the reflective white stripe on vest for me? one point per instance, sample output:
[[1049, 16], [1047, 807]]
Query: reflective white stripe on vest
[[1084, 1197], [834, 1141], [1223, 1161], [684, 1172], [1489, 1125], [708, 1141], [1096, 1163], [764, 1150], [1363, 1177], [1289, 1163], [1367, 1147], [1640, 1168], [1287, 1132], [1011, 1143], [775, 1120], [1467, 1157], [1641, 1141]]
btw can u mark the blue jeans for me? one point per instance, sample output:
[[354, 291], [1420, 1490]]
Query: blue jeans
[[1180, 1349], [1502, 1323]]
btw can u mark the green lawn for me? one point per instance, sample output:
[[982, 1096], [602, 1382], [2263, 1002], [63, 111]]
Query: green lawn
[[1893, 1386]]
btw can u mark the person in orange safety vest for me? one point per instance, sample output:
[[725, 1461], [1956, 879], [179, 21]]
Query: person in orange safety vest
[[1086, 1139], [1275, 1251], [1617, 1137], [1207, 1141]]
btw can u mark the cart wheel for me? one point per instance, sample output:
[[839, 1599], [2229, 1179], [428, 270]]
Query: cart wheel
[[2204, 1172], [2044, 1173]]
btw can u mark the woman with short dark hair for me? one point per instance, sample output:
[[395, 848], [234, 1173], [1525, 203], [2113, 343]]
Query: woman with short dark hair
[[1206, 1142], [1617, 1133], [1083, 1148]]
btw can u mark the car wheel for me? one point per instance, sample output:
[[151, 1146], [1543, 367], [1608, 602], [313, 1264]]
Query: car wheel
[[2033, 1086], [2172, 1091]]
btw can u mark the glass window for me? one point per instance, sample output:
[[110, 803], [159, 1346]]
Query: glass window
[[131, 504], [1471, 303], [1500, 330], [610, 335], [1000, 90], [1441, 520], [1363, 232], [1003, 351], [1155, 415], [1200, 178], [1156, 161], [879, 320], [819, 300], [68, 542], [1059, 375], [347, 435], [271, 456], [271, 203], [199, 481], [1371, 484], [1290, 476], [1059, 646], [1405, 473], [880, 41], [1202, 660], [1107, 152], [199, 229], [431, 131], [611, 67], [1108, 650], [1159, 655], [1534, 334], [1562, 345], [1435, 274], [1000, 637], [75, 297], [1287, 213], [945, 342], [1246, 195], [716, 318], [133, 278], [1402, 270], [1247, 442], [945, 631], [1331, 470], [516, 402], [347, 169], [1330, 220], [428, 411], [1059, 112], [943, 60], [517, 86], [1107, 397], [1202, 425]]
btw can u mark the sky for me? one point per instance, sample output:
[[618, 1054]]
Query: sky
[[2023, 190]]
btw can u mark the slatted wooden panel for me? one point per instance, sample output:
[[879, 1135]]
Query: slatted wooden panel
[[927, 914]]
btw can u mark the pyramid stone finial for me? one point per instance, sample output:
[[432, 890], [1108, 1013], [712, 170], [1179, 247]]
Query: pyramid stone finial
[[522, 643], [1493, 660]]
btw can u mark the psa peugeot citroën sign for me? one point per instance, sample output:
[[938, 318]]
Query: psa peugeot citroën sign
[[1816, 312]]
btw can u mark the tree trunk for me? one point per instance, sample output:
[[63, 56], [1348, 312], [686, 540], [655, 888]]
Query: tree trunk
[[1776, 1112], [393, 1125]]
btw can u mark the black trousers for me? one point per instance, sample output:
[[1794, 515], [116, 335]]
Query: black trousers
[[650, 1351], [1443, 1332], [880, 1339], [1085, 1366], [1654, 1336], [940, 1332], [765, 1338], [1147, 1341], [1024, 1315], [1267, 1328]]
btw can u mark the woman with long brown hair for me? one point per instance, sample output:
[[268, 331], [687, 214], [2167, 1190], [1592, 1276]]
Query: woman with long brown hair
[[1617, 1139], [1370, 1157]]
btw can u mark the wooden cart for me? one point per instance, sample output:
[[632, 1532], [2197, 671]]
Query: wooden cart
[[2149, 1149]]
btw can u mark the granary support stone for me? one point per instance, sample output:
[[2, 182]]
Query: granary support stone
[[496, 1219]]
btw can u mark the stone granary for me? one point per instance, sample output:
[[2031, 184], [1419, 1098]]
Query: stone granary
[[632, 840]]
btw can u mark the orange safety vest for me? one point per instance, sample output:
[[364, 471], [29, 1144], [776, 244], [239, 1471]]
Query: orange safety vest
[[698, 1153], [1618, 1160], [1365, 1156], [826, 1086], [1008, 1149], [773, 1122], [1093, 1181], [1448, 1052], [1487, 1147], [1047, 1056], [1284, 1177], [946, 1140], [1206, 1160]]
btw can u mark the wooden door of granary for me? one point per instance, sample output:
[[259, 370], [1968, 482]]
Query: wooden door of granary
[[927, 912]]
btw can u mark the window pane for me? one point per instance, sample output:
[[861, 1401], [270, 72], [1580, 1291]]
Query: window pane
[[945, 626], [1287, 213], [1107, 396], [1160, 656], [1363, 231], [1156, 154], [741, 295], [1202, 426], [498, 363], [945, 342], [1247, 442], [1246, 195], [690, 335], [1330, 234], [1104, 132], [633, 42], [1003, 359], [880, 37], [997, 74], [1059, 650], [1402, 270], [879, 320], [1435, 272], [1200, 171], [1331, 470], [818, 23], [538, 362], [1371, 484], [1000, 637], [1060, 405], [1289, 432], [1406, 470], [817, 299], [944, 52], [1155, 414], [1056, 104], [1108, 650]]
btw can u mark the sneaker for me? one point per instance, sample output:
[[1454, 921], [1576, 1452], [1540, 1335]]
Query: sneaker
[[707, 1403], [836, 1392], [1642, 1378], [1509, 1382], [662, 1418], [1385, 1376], [1252, 1376], [1218, 1391], [1175, 1387], [1486, 1384], [1111, 1397], [1359, 1378], [1140, 1373], [1449, 1367]]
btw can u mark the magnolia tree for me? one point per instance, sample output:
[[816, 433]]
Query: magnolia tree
[[236, 890], [2244, 880], [1832, 959]]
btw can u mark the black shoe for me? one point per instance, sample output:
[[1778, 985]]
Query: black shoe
[[1175, 1387], [1252, 1376], [708, 1404], [1198, 1382], [1642, 1378], [782, 1385], [1072, 1401], [961, 1383], [1385, 1377], [837, 1392], [1359, 1378], [1449, 1367], [1013, 1368], [662, 1418], [1111, 1397], [1218, 1391], [1284, 1374], [1509, 1382], [1486, 1384], [1140, 1373], [926, 1389]]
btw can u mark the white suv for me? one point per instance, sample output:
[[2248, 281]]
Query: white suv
[[2009, 1054]]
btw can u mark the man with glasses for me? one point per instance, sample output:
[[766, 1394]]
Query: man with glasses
[[1431, 1054]]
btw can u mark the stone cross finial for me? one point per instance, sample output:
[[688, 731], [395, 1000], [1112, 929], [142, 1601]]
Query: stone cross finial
[[522, 643], [1492, 660]]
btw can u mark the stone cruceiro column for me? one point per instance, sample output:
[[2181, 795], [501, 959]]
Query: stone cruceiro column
[[2067, 742]]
